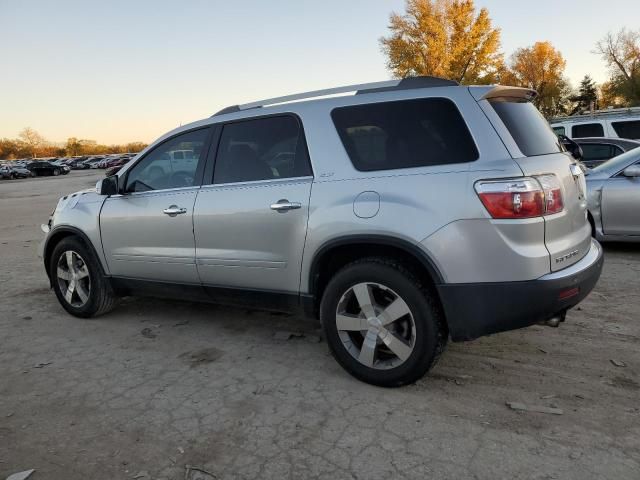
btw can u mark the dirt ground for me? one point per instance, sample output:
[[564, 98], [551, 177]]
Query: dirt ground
[[157, 386]]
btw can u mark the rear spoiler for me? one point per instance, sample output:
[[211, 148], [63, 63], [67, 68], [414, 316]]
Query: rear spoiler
[[499, 91]]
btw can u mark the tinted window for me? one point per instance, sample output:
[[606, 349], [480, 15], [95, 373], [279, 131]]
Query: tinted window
[[161, 169], [559, 130], [627, 129], [261, 149], [587, 130], [404, 134], [597, 151], [527, 126]]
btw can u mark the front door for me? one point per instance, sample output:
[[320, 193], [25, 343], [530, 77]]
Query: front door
[[620, 201], [147, 232], [250, 223]]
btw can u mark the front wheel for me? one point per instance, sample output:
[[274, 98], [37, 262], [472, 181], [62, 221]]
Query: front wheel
[[78, 280], [382, 325], [56, 173]]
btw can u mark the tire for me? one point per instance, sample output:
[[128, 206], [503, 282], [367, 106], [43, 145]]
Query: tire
[[385, 281], [92, 295], [56, 172]]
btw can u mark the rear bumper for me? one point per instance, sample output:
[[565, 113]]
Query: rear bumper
[[477, 309]]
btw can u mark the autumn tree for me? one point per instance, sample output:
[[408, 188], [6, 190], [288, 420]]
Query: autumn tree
[[31, 141], [541, 68], [621, 52], [443, 38]]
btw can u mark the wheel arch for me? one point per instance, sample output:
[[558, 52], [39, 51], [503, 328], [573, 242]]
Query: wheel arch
[[334, 254], [57, 235]]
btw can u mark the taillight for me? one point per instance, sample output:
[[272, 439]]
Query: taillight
[[521, 197], [552, 193]]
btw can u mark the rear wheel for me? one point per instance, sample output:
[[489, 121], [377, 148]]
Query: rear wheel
[[382, 325], [78, 280]]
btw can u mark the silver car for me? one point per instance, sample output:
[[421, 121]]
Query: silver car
[[407, 213], [614, 198]]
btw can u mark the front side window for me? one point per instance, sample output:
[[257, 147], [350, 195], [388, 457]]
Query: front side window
[[267, 148], [172, 164], [630, 129], [587, 130], [404, 134], [596, 151]]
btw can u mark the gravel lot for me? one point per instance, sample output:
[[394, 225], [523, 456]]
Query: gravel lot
[[159, 385]]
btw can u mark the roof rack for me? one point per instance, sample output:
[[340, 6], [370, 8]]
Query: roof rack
[[359, 89], [611, 112]]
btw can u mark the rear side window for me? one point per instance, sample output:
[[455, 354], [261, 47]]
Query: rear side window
[[627, 129], [261, 149], [587, 130], [559, 130], [527, 126], [404, 134], [599, 151]]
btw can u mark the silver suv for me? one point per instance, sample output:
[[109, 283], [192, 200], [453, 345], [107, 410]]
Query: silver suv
[[413, 211]]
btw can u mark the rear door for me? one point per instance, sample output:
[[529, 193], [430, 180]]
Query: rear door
[[250, 222], [539, 153]]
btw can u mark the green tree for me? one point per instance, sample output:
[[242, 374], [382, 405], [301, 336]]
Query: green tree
[[621, 52], [443, 38], [587, 97]]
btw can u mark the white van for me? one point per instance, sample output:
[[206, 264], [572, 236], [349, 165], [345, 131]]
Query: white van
[[613, 123]]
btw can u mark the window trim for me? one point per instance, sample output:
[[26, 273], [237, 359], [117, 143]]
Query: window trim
[[198, 178], [440, 97], [209, 175]]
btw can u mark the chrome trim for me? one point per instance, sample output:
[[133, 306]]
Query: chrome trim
[[585, 262], [267, 181]]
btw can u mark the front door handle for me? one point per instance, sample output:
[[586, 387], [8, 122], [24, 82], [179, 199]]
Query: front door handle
[[174, 210], [285, 205]]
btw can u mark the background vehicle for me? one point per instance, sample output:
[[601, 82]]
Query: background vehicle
[[596, 151], [614, 198], [612, 123], [11, 172], [412, 211], [39, 168]]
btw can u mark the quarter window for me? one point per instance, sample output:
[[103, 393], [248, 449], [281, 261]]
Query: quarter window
[[404, 134], [587, 130], [627, 129], [172, 164], [261, 149], [559, 130]]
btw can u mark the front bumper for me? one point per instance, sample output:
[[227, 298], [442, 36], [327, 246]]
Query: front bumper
[[477, 309]]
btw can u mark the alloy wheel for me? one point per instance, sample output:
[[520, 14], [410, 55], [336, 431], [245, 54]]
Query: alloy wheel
[[73, 278], [376, 326]]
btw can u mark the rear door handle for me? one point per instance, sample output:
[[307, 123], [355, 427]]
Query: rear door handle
[[285, 205], [174, 210]]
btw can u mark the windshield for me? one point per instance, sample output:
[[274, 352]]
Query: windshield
[[619, 162]]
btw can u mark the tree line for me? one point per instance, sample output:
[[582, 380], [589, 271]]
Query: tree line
[[451, 39], [30, 144]]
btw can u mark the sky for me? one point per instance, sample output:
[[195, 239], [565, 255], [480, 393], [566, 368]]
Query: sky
[[129, 70]]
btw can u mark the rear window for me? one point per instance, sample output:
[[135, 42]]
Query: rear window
[[587, 130], [527, 126], [404, 134], [627, 129]]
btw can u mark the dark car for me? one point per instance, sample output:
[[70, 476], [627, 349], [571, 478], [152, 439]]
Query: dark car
[[597, 150], [115, 166], [46, 168], [14, 171]]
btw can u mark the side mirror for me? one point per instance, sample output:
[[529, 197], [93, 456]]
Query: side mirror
[[632, 171], [108, 186]]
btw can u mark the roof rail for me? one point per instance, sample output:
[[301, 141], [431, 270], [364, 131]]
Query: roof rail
[[611, 112], [374, 87]]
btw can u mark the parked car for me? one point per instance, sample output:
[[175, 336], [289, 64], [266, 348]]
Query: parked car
[[78, 163], [40, 168], [596, 151], [614, 198], [414, 211], [13, 171], [115, 166], [92, 162], [611, 123]]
